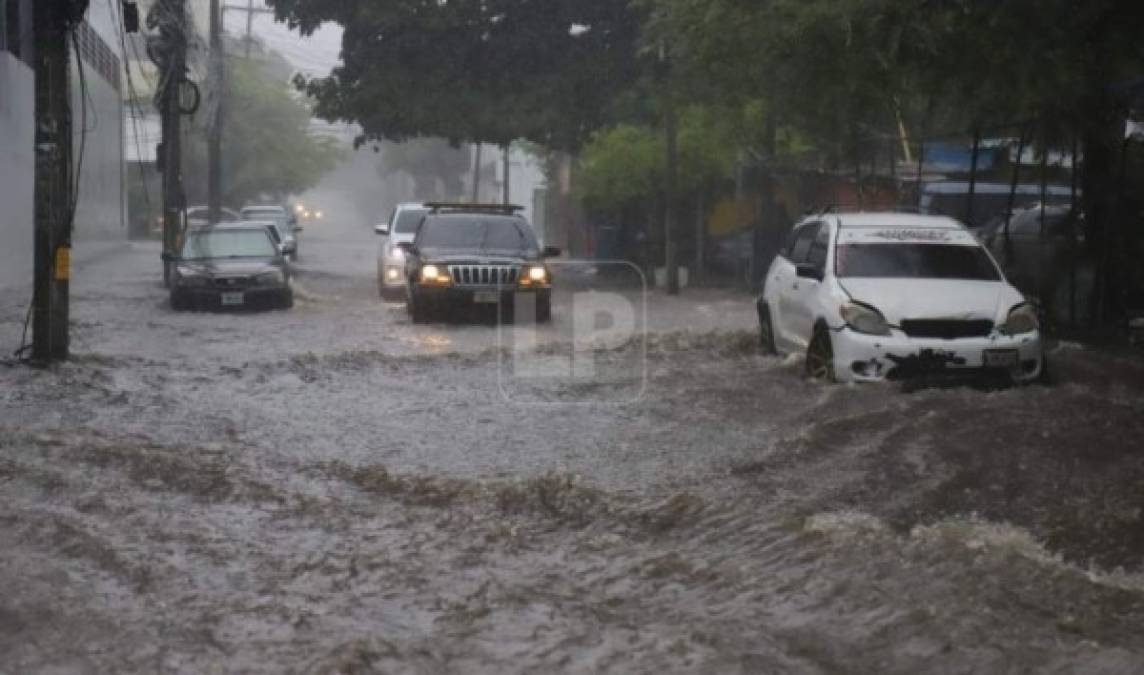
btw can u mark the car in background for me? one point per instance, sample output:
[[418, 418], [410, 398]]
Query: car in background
[[465, 256], [951, 198], [1036, 253], [233, 265], [400, 228], [200, 215], [286, 220], [276, 232], [871, 296]]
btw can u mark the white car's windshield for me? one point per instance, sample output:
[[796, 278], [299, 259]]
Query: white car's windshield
[[408, 220], [228, 244], [915, 261]]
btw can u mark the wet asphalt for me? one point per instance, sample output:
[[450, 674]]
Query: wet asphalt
[[333, 489]]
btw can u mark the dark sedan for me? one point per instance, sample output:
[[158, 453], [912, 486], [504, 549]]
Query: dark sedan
[[235, 266], [466, 256]]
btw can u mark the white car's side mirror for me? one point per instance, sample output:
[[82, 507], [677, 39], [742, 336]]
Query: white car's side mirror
[[382, 229]]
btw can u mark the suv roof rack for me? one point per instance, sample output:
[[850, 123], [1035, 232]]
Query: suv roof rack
[[507, 209]]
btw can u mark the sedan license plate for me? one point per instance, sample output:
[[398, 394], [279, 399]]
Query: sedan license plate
[[232, 299], [485, 297], [1001, 358]]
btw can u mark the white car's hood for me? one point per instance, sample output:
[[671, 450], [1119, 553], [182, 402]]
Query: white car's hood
[[900, 299]]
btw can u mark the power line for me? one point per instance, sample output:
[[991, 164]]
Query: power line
[[133, 98]]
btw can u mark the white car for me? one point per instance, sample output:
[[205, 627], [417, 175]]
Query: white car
[[870, 296], [401, 227], [288, 227]]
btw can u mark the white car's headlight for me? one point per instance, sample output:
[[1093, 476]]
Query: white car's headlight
[[1022, 319], [864, 319]]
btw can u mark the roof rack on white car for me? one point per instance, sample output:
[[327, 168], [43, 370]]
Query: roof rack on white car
[[847, 208]]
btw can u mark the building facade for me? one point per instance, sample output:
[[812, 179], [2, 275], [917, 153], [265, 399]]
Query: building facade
[[97, 112]]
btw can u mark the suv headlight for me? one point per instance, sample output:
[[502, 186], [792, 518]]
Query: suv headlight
[[864, 319], [534, 275], [1022, 319], [434, 274]]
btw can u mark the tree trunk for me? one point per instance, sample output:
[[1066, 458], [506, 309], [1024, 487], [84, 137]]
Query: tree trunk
[[1101, 141]]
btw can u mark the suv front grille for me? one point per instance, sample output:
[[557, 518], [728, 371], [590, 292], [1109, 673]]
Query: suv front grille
[[484, 275], [947, 329]]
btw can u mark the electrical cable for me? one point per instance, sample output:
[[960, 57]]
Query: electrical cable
[[132, 101], [78, 168]]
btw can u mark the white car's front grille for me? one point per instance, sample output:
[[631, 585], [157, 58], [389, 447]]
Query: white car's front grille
[[947, 329], [484, 275]]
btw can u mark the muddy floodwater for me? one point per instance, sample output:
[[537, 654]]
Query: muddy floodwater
[[335, 490]]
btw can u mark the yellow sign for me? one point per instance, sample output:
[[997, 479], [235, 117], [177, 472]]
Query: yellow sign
[[63, 264]]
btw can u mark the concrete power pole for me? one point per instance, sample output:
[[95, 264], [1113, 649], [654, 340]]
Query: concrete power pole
[[214, 145], [249, 25], [671, 174], [477, 173], [54, 200], [507, 175], [175, 36], [250, 10], [671, 201]]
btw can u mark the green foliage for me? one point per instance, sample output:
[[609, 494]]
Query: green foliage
[[626, 163], [268, 147], [621, 165], [474, 70]]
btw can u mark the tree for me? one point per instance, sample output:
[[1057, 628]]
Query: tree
[[473, 70], [269, 147], [624, 164]]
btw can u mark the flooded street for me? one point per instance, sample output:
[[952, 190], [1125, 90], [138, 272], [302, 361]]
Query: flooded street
[[334, 489]]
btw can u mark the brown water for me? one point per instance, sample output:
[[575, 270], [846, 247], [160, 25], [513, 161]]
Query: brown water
[[336, 491]]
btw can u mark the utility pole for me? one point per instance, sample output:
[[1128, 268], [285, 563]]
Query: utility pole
[[671, 203], [507, 175], [174, 34], [250, 10], [477, 174], [214, 144], [671, 173], [249, 25], [54, 200]]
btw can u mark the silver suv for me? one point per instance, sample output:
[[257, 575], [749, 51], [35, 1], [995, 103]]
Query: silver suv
[[401, 227]]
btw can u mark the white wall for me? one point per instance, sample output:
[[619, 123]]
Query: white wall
[[17, 171], [100, 211]]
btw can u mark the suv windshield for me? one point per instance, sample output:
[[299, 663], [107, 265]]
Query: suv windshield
[[915, 261], [467, 233], [408, 220], [228, 244]]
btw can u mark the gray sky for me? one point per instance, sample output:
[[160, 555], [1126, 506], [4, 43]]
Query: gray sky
[[314, 55]]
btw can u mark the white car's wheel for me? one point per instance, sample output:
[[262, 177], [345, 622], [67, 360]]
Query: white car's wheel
[[766, 330], [820, 356]]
